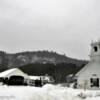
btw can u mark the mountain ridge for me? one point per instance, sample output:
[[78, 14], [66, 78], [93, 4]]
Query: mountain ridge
[[8, 60]]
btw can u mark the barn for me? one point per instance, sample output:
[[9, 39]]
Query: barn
[[89, 76], [13, 72]]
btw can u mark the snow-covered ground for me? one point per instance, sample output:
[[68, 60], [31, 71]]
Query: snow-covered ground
[[47, 92]]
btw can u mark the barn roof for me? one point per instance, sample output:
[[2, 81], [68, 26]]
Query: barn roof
[[7, 72]]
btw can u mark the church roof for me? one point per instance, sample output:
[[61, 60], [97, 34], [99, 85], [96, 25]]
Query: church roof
[[82, 70], [91, 67]]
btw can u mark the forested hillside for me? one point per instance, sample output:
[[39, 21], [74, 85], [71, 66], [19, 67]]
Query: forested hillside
[[58, 71]]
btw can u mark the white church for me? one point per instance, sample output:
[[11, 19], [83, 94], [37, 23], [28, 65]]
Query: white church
[[89, 76]]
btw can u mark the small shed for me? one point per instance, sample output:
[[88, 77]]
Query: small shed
[[45, 79]]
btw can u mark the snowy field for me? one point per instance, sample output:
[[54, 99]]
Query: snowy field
[[47, 92]]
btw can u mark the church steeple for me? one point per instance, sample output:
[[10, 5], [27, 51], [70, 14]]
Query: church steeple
[[95, 51]]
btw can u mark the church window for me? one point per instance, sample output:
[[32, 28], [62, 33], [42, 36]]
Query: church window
[[94, 82], [95, 49]]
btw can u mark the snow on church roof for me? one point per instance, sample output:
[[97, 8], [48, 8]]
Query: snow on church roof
[[83, 69], [91, 67], [7, 72]]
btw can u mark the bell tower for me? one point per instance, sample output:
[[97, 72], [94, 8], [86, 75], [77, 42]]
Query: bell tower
[[95, 52]]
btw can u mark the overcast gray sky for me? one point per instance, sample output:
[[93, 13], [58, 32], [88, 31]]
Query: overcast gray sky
[[65, 26]]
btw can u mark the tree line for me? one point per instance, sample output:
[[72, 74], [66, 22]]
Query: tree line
[[57, 71]]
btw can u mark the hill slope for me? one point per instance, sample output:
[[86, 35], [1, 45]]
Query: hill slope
[[41, 57]]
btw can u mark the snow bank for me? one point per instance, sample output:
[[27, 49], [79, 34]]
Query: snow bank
[[47, 92]]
